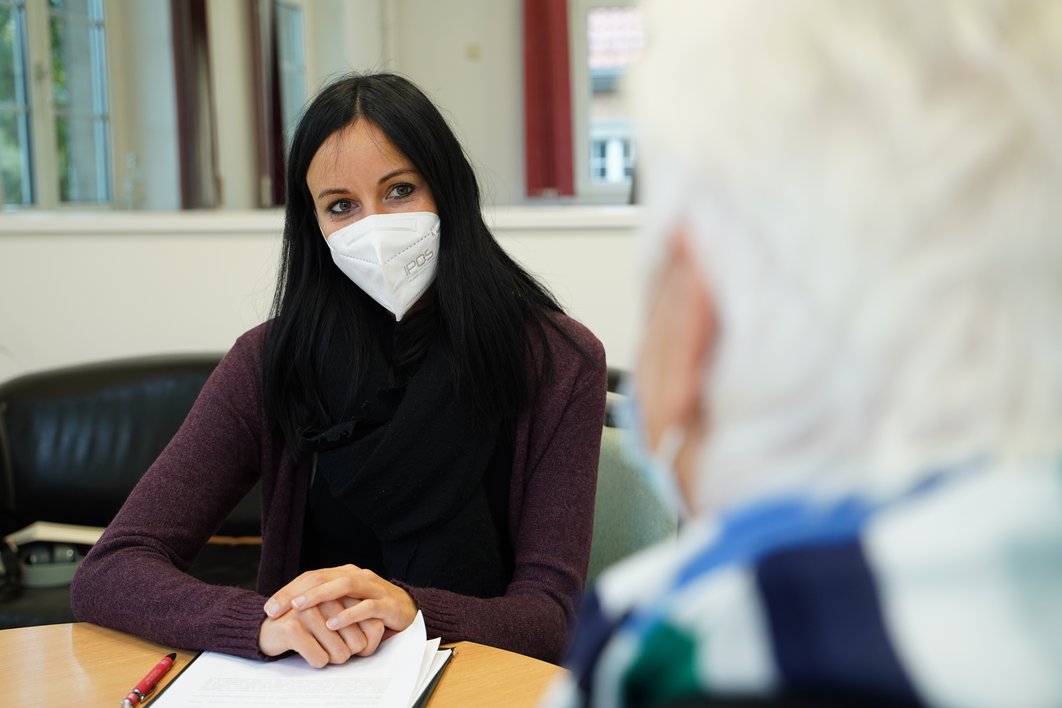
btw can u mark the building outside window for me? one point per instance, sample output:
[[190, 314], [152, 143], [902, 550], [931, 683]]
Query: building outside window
[[611, 152], [598, 165]]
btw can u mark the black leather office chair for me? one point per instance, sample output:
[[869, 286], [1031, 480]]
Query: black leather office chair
[[74, 442]]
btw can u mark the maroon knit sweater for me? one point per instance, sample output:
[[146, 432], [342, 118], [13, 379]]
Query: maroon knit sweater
[[134, 579]]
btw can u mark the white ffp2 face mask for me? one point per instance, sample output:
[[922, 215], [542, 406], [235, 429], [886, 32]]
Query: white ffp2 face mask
[[391, 257]]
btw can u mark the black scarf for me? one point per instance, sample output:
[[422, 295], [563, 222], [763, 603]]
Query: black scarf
[[402, 473]]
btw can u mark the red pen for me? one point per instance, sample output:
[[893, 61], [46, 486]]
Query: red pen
[[148, 683]]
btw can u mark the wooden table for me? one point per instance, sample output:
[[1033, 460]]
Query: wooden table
[[85, 665]]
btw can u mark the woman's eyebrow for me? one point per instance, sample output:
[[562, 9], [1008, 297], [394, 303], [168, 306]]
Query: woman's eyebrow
[[389, 175], [331, 190], [401, 170]]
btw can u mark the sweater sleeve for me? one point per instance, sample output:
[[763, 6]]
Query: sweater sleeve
[[135, 578], [553, 518]]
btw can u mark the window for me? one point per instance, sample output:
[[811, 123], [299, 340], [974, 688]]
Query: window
[[611, 152], [53, 103], [291, 65], [281, 67], [598, 162], [607, 38], [79, 100], [16, 179], [614, 41]]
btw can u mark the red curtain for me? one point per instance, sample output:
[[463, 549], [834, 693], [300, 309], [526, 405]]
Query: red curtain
[[547, 99]]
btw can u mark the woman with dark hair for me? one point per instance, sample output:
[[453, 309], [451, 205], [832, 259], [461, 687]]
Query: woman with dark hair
[[423, 418]]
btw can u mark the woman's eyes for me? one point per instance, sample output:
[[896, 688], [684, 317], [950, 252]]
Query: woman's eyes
[[341, 206], [401, 191]]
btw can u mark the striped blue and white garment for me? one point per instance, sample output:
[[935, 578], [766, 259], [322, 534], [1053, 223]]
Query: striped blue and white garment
[[950, 595]]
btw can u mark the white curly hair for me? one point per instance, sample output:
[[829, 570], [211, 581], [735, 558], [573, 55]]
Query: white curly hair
[[874, 188]]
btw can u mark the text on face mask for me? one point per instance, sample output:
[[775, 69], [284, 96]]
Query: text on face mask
[[414, 266]]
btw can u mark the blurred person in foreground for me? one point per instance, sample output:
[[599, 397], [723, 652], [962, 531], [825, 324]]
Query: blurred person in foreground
[[851, 369]]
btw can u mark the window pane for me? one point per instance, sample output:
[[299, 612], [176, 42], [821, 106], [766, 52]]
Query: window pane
[[8, 48], [60, 52], [598, 148], [76, 8], [291, 55], [13, 55], [14, 158], [289, 30], [74, 56], [82, 159], [614, 42], [62, 139], [15, 176], [80, 97]]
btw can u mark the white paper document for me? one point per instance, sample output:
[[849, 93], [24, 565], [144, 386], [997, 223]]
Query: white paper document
[[394, 677], [56, 533]]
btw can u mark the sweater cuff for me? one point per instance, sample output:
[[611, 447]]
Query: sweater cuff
[[236, 631], [440, 620]]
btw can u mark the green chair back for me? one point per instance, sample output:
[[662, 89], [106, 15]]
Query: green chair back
[[628, 516]]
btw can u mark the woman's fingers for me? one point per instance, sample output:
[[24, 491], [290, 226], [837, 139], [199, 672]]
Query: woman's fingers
[[393, 606], [276, 637], [356, 612], [373, 630], [351, 581], [390, 612], [306, 632], [353, 637], [281, 601], [291, 634], [351, 595], [334, 643]]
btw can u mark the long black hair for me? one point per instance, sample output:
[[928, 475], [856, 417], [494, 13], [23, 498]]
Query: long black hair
[[487, 306]]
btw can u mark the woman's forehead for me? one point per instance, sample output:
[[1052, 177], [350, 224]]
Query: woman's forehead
[[356, 149]]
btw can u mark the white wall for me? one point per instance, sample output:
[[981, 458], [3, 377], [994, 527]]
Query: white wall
[[82, 287], [347, 35], [467, 55]]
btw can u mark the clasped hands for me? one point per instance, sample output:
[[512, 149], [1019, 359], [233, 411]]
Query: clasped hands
[[332, 614]]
